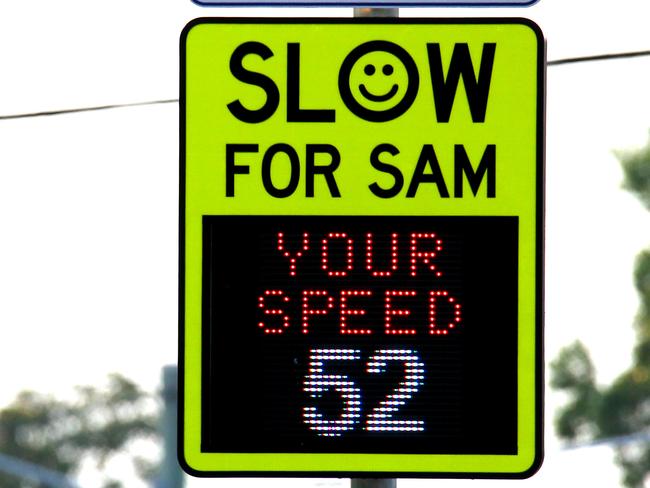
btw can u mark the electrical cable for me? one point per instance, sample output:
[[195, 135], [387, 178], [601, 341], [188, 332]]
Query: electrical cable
[[556, 62], [84, 109], [598, 57]]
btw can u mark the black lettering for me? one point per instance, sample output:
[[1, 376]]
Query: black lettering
[[294, 172], [398, 178], [252, 78], [294, 112], [444, 90], [427, 158], [233, 169], [326, 170], [487, 166]]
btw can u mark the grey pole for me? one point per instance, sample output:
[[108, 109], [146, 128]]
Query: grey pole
[[376, 12], [374, 482], [171, 475]]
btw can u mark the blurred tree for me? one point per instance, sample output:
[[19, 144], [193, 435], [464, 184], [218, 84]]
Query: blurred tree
[[97, 425], [622, 408]]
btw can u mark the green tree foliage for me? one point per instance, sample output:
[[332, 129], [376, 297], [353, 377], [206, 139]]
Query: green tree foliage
[[636, 165], [622, 408], [575, 374], [60, 435]]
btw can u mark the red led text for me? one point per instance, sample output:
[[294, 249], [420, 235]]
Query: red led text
[[418, 255], [357, 284], [348, 309]]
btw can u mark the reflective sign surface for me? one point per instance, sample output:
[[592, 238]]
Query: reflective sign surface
[[361, 258]]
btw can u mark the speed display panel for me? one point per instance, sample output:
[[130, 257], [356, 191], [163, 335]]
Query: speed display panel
[[376, 334]]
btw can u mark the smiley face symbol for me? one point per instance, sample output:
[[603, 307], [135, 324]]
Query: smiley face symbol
[[378, 81], [370, 70]]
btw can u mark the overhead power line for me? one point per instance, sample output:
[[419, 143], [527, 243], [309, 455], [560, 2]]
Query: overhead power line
[[85, 109], [598, 57], [555, 62]]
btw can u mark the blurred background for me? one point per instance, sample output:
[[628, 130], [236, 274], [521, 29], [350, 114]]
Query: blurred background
[[89, 241]]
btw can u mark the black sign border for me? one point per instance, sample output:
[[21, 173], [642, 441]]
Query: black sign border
[[539, 291]]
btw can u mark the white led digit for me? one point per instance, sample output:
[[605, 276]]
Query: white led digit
[[381, 418], [318, 382]]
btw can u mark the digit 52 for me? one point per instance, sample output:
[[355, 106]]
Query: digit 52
[[317, 381]]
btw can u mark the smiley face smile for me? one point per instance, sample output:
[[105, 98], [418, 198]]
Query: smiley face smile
[[378, 98]]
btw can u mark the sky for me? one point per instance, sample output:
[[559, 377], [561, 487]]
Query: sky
[[89, 201]]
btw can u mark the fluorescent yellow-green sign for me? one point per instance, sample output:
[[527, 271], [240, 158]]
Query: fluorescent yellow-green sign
[[361, 247]]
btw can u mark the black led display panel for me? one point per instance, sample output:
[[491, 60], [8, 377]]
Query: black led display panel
[[359, 334]]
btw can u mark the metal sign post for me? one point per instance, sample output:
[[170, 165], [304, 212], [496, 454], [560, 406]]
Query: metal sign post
[[376, 12], [362, 12], [373, 483]]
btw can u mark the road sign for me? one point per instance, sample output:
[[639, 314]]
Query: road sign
[[366, 3], [361, 247]]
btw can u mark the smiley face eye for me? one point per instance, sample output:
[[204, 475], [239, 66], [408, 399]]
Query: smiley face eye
[[387, 69], [369, 69]]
